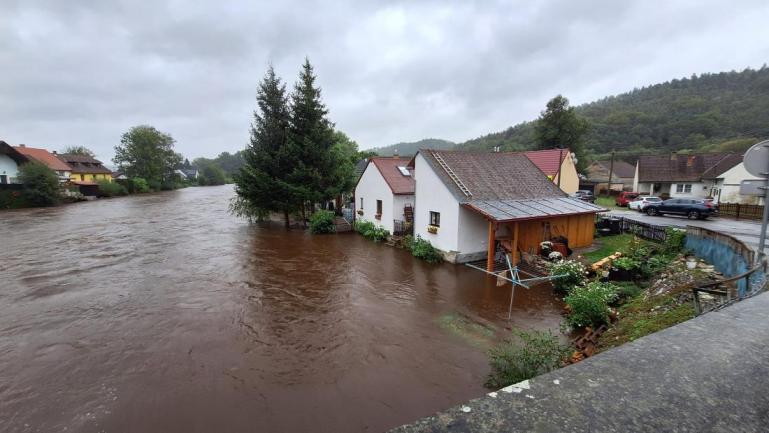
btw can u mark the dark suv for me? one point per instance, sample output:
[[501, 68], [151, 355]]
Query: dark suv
[[691, 207]]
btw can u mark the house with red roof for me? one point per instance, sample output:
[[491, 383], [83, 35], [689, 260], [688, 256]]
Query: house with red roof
[[558, 165], [384, 194], [62, 169]]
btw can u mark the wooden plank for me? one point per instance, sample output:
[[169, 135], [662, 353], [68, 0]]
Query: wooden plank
[[490, 251], [515, 244]]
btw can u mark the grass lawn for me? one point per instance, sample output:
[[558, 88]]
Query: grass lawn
[[609, 245], [608, 203]]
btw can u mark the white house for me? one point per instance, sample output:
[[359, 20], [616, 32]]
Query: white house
[[469, 203], [705, 175], [384, 193], [10, 160]]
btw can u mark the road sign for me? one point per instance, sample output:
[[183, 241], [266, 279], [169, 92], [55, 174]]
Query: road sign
[[752, 187], [756, 159]]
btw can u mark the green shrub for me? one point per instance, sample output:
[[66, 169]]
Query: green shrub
[[111, 189], [626, 290], [627, 263], [422, 249], [571, 274], [674, 240], [322, 221], [12, 200], [140, 185], [590, 304], [371, 231], [513, 361], [41, 184]]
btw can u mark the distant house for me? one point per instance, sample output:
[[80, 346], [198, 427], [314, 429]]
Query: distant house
[[85, 169], [715, 175], [187, 173], [558, 165], [10, 160], [62, 169], [384, 193], [622, 175], [119, 175], [471, 204]]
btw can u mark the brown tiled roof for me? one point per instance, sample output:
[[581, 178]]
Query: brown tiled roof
[[388, 167], [491, 175], [548, 160], [84, 164], [44, 157], [685, 168], [7, 149], [621, 168]]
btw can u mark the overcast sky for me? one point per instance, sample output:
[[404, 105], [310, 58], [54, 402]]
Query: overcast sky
[[81, 72]]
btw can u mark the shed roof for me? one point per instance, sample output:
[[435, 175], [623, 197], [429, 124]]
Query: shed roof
[[518, 210], [548, 160], [687, 168], [388, 166], [44, 157]]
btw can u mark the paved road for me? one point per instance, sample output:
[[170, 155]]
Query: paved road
[[746, 231]]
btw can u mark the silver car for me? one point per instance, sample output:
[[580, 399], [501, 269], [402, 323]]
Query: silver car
[[642, 201]]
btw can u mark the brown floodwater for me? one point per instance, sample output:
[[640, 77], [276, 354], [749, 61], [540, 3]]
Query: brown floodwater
[[163, 313]]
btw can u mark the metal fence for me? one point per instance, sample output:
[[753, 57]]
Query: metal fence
[[402, 228], [738, 210], [617, 225]]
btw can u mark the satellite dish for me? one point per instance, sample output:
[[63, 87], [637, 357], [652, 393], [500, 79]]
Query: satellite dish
[[756, 159]]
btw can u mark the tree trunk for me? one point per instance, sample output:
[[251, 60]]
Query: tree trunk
[[286, 219]]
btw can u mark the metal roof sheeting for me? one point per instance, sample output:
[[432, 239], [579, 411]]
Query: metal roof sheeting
[[514, 210]]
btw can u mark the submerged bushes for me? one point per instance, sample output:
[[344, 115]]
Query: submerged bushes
[[513, 361], [422, 249], [589, 304], [371, 231], [41, 184], [111, 189], [322, 222]]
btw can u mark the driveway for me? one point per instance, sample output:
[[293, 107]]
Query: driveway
[[744, 230]]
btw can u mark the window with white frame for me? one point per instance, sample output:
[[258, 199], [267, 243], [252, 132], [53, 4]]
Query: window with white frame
[[684, 188]]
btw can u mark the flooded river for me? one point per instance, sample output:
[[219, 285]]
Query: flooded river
[[163, 313]]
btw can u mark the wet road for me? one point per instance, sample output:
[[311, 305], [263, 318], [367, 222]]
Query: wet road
[[163, 313]]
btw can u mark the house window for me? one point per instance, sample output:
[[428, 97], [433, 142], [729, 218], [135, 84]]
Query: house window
[[361, 203], [435, 219], [684, 187], [379, 207]]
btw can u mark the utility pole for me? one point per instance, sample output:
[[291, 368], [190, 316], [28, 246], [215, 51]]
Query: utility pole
[[611, 172]]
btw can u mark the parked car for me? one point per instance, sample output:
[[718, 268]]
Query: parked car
[[584, 195], [625, 197], [642, 201], [692, 208]]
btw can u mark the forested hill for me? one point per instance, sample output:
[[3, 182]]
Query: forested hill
[[709, 112], [412, 147]]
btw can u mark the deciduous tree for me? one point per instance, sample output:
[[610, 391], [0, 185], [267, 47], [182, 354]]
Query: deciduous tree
[[147, 153], [560, 127]]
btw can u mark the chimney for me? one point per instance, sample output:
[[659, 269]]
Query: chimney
[[690, 161], [54, 152], [395, 153], [673, 156], [22, 145]]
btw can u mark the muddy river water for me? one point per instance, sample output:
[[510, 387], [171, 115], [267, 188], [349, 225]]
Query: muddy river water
[[163, 313]]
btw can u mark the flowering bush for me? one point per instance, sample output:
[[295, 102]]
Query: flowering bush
[[570, 274], [422, 249], [590, 304]]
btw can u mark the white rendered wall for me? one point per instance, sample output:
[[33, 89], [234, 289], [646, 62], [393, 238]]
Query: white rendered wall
[[433, 195], [8, 167], [372, 187]]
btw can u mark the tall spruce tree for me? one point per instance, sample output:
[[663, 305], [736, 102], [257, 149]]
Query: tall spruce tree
[[560, 127], [263, 183], [311, 137]]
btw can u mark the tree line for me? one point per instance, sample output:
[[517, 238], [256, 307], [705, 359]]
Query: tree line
[[295, 158]]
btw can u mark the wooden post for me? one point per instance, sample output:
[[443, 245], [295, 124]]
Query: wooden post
[[491, 250], [515, 244]]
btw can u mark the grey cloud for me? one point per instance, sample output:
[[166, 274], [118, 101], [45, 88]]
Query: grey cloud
[[82, 72]]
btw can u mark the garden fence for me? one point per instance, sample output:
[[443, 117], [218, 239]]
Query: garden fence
[[738, 210], [643, 230], [402, 228]]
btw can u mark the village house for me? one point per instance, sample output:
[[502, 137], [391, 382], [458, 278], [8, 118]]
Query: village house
[[470, 204], [10, 160], [704, 175], [558, 165], [622, 175], [384, 194], [85, 169], [62, 169]]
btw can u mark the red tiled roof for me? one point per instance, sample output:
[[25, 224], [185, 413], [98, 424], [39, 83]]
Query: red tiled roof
[[548, 160], [388, 167], [44, 157]]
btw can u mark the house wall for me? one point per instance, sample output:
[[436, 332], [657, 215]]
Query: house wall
[[88, 177], [433, 195], [730, 186], [372, 187], [699, 190], [8, 167], [399, 202], [569, 182]]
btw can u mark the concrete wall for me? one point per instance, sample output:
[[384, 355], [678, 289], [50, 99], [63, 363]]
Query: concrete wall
[[433, 195], [372, 187], [8, 167], [729, 255]]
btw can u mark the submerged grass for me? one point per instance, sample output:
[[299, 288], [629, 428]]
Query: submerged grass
[[610, 245], [475, 333]]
